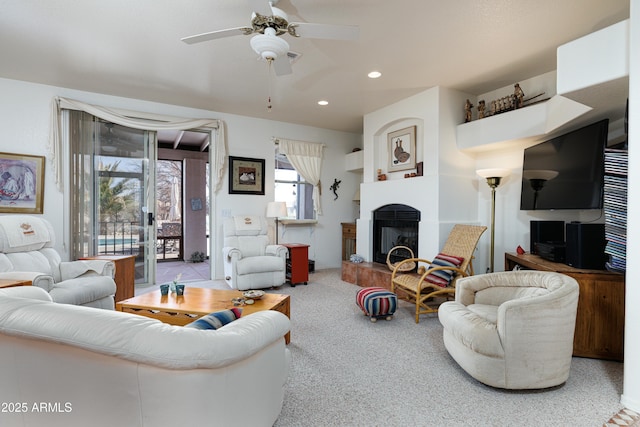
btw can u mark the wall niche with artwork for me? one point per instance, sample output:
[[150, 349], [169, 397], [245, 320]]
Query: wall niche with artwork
[[398, 152]]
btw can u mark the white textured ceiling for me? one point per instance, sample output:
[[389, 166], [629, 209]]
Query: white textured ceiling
[[133, 49]]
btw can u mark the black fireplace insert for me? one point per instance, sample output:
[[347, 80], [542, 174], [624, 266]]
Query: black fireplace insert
[[394, 225]]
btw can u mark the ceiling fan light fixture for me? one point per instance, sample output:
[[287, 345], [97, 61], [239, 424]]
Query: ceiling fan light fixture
[[268, 45]]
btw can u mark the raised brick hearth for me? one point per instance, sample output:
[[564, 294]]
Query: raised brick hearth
[[366, 274], [369, 274]]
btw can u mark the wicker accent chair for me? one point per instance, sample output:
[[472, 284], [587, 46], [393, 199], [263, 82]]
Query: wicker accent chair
[[419, 287]]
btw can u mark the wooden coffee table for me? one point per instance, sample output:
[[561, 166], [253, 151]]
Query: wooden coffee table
[[9, 283], [197, 302]]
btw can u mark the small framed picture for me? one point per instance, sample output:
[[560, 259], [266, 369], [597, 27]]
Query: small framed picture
[[21, 183], [246, 176], [402, 149]]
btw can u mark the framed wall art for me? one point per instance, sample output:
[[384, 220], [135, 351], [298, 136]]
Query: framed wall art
[[246, 176], [21, 183], [402, 149]]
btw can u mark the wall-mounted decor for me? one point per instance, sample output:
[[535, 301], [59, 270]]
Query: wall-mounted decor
[[402, 149], [246, 176], [21, 183], [196, 204], [334, 187], [501, 105]]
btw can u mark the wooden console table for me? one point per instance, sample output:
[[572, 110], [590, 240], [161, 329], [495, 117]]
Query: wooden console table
[[125, 269], [599, 330]]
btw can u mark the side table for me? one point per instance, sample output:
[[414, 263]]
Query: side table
[[348, 240], [297, 263], [125, 266]]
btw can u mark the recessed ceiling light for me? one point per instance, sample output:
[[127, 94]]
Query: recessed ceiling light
[[374, 74], [323, 102]]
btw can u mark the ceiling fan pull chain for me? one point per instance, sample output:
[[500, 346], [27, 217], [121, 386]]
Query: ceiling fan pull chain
[[269, 106]]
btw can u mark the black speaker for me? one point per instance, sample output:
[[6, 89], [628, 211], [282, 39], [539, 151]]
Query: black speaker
[[545, 232], [585, 246]]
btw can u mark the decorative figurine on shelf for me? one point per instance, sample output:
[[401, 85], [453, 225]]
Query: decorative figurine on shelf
[[518, 94], [481, 107], [467, 111], [334, 187]]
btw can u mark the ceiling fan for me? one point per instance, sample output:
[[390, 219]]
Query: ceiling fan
[[268, 23]]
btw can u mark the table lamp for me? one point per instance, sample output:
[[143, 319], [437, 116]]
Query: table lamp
[[276, 210]]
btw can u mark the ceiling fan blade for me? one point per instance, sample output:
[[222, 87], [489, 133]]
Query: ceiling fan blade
[[282, 65], [198, 38], [260, 6], [326, 31]]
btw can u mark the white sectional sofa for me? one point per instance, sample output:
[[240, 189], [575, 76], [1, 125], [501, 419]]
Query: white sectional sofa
[[67, 365]]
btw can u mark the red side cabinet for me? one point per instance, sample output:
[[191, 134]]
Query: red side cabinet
[[297, 263]]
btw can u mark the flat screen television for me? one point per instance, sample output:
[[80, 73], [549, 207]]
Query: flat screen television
[[566, 172]]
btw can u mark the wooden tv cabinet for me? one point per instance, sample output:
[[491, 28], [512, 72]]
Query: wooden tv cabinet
[[599, 330]]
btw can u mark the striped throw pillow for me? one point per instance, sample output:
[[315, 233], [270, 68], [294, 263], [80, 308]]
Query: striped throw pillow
[[217, 319], [443, 277]]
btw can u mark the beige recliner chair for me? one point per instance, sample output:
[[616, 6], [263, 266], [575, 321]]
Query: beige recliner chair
[[26, 253], [513, 330], [250, 262]]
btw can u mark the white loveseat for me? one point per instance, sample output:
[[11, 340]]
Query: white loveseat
[[66, 365], [27, 253], [513, 330]]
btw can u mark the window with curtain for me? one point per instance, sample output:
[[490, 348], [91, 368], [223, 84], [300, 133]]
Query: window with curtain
[[305, 158], [292, 189]]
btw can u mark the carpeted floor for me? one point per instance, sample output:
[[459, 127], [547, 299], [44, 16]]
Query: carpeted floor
[[348, 371]]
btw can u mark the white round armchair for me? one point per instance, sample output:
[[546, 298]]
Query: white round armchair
[[512, 330]]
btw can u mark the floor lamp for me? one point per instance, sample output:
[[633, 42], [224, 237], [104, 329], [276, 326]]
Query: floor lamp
[[493, 177], [276, 210]]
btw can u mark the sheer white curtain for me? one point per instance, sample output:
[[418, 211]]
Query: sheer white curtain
[[151, 124], [306, 158]]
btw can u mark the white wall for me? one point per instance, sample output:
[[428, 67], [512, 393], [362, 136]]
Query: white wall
[[450, 191], [445, 193], [25, 109], [631, 392]]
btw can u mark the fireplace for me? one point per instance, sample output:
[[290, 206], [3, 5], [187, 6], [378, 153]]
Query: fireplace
[[394, 225]]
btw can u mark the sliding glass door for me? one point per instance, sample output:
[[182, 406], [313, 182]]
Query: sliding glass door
[[113, 182]]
